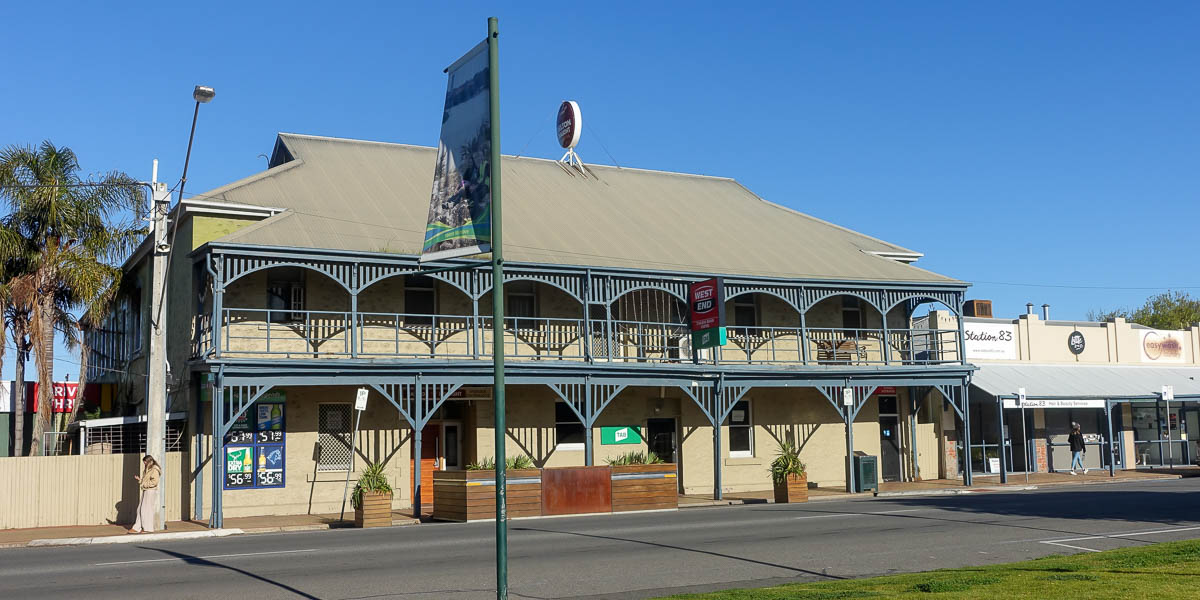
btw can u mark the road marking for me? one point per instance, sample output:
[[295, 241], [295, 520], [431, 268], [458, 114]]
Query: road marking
[[869, 514], [159, 560], [1059, 542]]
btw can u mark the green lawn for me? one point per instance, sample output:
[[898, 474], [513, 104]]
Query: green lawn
[[1170, 570]]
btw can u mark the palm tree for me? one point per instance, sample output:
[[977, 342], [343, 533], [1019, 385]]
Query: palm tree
[[73, 234]]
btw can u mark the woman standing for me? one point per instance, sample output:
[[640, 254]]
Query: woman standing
[[1077, 448], [148, 504]]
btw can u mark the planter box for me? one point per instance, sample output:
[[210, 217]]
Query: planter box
[[576, 490], [795, 489], [644, 487], [471, 495], [376, 510]]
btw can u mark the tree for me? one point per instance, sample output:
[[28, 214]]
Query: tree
[[73, 234], [1168, 310]]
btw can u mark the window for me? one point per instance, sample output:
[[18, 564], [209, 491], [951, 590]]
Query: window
[[420, 300], [333, 437], [745, 311], [521, 301], [285, 294], [741, 430], [568, 430], [851, 312], [135, 320]]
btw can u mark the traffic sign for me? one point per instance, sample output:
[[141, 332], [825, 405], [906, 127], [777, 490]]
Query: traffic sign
[[1168, 393], [1020, 396], [360, 401]]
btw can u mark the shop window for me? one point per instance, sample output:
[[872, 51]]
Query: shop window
[[333, 437], [745, 311], [568, 431], [852, 312], [285, 294], [520, 301], [741, 430], [420, 300]]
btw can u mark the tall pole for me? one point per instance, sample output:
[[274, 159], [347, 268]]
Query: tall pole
[[156, 376], [498, 314]]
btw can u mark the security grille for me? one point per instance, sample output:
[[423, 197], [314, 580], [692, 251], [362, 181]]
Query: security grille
[[129, 438], [333, 436]]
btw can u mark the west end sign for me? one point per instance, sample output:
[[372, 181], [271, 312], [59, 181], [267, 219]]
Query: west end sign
[[706, 304]]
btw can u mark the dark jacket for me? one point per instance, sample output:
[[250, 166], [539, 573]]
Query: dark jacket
[[1076, 441]]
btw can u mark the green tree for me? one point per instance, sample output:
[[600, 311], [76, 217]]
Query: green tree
[[72, 235], [1168, 310]]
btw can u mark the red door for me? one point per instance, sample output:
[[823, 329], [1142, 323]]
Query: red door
[[430, 461]]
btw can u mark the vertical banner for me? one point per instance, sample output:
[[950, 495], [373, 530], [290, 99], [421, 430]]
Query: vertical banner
[[460, 209], [706, 303]]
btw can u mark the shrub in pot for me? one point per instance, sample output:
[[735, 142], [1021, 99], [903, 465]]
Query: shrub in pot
[[789, 476], [372, 498]]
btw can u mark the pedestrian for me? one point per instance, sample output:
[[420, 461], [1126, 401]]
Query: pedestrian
[[1077, 448], [148, 496]]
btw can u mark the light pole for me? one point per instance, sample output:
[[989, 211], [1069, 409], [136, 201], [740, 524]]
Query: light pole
[[156, 381]]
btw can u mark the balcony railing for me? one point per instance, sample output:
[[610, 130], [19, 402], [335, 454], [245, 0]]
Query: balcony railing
[[341, 334]]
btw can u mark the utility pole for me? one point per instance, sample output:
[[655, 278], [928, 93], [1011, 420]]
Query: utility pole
[[156, 380]]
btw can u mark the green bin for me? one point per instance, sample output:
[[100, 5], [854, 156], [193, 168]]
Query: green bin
[[866, 472]]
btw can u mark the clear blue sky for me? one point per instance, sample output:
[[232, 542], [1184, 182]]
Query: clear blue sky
[[1046, 152]]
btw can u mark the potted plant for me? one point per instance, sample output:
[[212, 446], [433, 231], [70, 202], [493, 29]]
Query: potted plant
[[789, 475], [372, 498], [470, 494], [642, 481]]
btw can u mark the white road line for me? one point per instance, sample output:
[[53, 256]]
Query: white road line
[[1071, 547], [869, 514], [158, 560]]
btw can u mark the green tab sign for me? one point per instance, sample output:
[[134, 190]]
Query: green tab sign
[[610, 436], [709, 338]]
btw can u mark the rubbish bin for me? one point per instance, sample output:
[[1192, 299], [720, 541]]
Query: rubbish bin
[[866, 472]]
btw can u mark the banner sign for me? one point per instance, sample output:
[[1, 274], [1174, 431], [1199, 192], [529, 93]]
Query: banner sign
[[995, 341], [706, 309], [460, 209], [1028, 403], [1162, 346]]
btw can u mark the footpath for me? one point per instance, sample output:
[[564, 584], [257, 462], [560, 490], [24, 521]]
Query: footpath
[[176, 530]]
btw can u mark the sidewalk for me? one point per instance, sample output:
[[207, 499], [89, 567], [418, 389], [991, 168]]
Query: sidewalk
[[934, 487], [72, 535]]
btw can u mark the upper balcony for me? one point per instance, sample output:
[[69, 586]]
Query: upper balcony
[[291, 313]]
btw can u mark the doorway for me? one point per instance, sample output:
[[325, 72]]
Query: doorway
[[661, 439], [889, 439]]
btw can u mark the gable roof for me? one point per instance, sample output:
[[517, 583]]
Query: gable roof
[[363, 196]]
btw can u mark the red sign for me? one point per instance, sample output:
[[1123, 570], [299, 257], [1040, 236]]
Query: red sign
[[65, 394], [885, 390], [706, 301], [569, 124]]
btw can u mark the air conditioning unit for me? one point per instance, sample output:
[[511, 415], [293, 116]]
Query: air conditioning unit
[[685, 350], [978, 308]]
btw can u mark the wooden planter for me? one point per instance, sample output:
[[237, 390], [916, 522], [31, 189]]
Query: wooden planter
[[376, 510], [795, 489], [644, 487], [471, 495]]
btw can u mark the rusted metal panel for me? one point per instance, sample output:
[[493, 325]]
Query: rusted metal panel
[[576, 490]]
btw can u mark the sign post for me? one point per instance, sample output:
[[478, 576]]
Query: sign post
[[1168, 394], [360, 404], [1021, 405]]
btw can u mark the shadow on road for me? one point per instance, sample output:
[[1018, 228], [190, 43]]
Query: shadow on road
[[681, 548], [197, 560]]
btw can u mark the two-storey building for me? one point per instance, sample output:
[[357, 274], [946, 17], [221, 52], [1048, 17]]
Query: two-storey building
[[291, 289]]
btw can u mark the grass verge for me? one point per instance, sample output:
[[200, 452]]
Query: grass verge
[[1158, 571]]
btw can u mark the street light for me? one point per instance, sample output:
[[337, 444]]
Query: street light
[[203, 94]]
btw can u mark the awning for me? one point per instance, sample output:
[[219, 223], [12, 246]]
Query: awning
[[1113, 382]]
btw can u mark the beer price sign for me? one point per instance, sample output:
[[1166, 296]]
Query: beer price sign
[[706, 303]]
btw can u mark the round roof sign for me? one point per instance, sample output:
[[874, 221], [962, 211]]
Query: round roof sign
[[570, 124], [1076, 342]]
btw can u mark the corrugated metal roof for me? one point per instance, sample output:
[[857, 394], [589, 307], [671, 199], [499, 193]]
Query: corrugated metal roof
[[1084, 381], [373, 197]]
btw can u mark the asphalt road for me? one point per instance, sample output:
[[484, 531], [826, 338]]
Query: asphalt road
[[626, 556]]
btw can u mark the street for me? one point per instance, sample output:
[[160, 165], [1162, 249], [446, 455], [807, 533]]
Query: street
[[626, 556]]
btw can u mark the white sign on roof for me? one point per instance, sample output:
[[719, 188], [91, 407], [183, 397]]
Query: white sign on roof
[[995, 341]]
